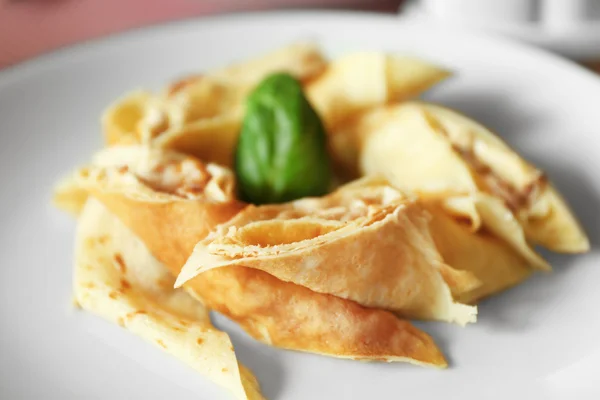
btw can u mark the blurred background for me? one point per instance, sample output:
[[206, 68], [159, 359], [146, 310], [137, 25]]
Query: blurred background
[[32, 27]]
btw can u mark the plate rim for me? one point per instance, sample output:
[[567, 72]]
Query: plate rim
[[56, 59]]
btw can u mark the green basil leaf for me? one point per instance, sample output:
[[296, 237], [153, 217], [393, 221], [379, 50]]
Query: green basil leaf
[[281, 153]]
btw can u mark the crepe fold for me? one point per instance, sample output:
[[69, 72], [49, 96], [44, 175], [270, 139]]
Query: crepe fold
[[124, 176], [201, 115], [474, 228], [278, 313], [431, 149], [118, 279], [496, 264], [365, 242], [362, 80]]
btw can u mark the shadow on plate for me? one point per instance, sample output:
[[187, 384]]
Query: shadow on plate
[[439, 332], [263, 360], [513, 310]]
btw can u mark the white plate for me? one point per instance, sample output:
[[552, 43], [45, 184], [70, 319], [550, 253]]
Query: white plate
[[570, 28], [542, 336]]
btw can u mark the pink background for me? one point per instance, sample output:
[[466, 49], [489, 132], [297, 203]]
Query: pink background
[[31, 27]]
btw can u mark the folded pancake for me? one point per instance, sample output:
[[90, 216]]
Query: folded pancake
[[435, 150], [402, 144], [545, 216], [171, 220], [126, 176], [365, 242], [129, 118], [201, 117], [201, 114], [118, 279], [494, 262], [399, 142], [359, 81]]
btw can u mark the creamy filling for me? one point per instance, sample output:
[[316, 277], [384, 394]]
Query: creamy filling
[[516, 200], [187, 179]]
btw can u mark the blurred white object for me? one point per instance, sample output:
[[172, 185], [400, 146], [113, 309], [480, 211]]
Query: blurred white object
[[568, 27], [505, 11]]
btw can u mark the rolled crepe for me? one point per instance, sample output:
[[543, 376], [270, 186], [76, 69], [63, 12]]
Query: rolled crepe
[[474, 230], [118, 279], [545, 216], [201, 115], [202, 118], [124, 176], [431, 149], [365, 242], [403, 144], [171, 221]]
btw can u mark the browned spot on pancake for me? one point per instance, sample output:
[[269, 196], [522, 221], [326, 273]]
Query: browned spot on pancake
[[231, 348], [133, 314], [120, 263], [121, 322], [166, 283], [84, 172], [159, 169], [183, 323], [194, 188], [123, 169], [125, 285], [199, 341], [161, 343], [178, 329], [103, 239], [224, 370], [113, 295], [88, 285]]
